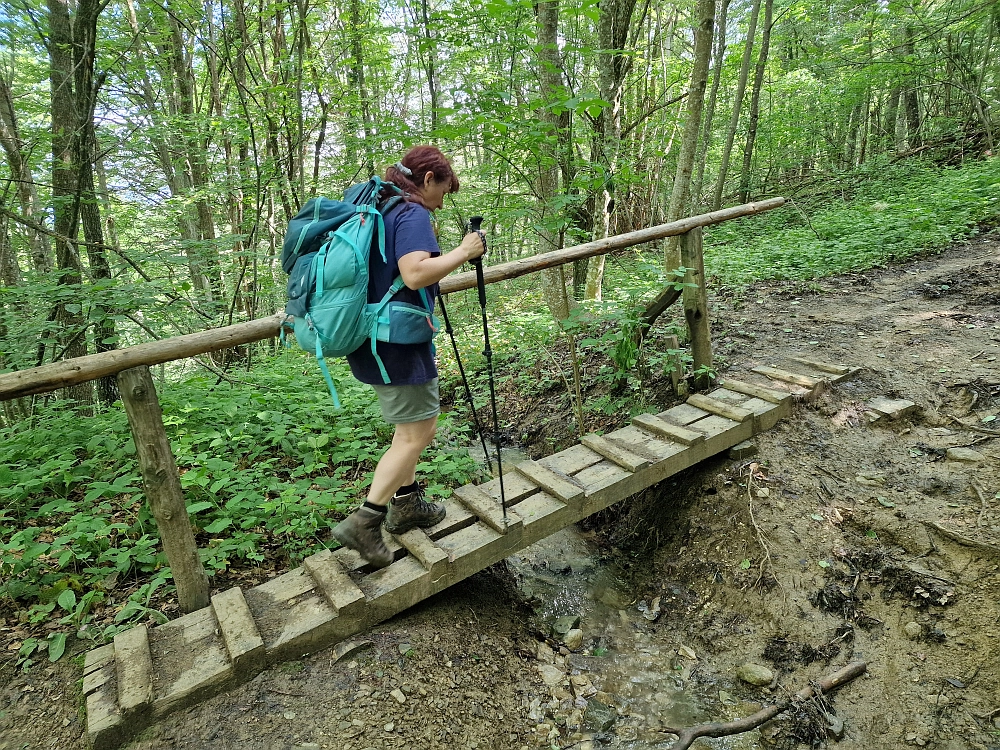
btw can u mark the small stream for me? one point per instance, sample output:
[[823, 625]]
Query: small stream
[[623, 655]]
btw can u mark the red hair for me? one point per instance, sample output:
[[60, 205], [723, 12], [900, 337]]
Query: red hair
[[420, 160]]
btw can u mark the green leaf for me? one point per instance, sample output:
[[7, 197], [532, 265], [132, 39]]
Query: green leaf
[[67, 600], [57, 646], [824, 564], [218, 525], [198, 507], [990, 418]]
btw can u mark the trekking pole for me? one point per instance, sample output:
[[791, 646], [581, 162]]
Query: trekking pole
[[465, 382], [475, 223]]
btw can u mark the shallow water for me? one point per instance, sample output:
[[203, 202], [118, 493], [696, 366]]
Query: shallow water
[[623, 653]]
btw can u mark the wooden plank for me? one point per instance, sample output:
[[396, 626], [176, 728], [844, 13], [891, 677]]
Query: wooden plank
[[684, 415], [340, 592], [614, 452], [486, 508], [570, 461], [757, 391], [676, 433], [721, 408], [243, 641], [822, 366], [431, 556], [106, 728], [788, 377], [640, 442], [544, 515], [134, 668], [98, 678], [561, 486], [98, 658]]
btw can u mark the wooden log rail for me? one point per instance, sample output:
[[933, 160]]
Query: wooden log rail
[[156, 462], [81, 369]]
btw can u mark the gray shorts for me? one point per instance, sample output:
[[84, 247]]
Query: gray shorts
[[402, 404]]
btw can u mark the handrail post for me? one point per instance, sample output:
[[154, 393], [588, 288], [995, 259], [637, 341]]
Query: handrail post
[[163, 486], [695, 300]]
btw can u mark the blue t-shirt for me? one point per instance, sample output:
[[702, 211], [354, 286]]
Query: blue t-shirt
[[408, 229]]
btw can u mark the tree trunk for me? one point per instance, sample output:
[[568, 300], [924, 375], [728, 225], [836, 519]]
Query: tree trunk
[[17, 151], [911, 105], [706, 138], [613, 64], [692, 125], [758, 84], [891, 115], [734, 119], [547, 52], [65, 53]]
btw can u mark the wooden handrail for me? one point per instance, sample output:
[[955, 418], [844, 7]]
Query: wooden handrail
[[69, 372]]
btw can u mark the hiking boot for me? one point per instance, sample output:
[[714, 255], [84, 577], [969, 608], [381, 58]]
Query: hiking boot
[[411, 511], [362, 532]]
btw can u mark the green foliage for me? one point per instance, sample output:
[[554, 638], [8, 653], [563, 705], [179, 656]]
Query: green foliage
[[266, 467], [893, 213]]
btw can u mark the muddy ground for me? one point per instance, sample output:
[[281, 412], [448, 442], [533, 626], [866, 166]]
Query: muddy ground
[[839, 540]]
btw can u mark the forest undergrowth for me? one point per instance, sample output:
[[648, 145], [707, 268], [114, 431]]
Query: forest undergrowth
[[267, 465]]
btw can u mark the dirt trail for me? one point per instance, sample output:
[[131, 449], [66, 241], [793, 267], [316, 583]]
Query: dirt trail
[[864, 541]]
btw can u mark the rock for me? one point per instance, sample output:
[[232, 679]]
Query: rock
[[564, 624], [345, 649], [689, 653], [574, 639], [544, 653], [755, 674], [308, 746], [599, 717], [550, 674], [913, 630], [398, 695], [743, 450], [965, 455], [289, 715], [389, 727]]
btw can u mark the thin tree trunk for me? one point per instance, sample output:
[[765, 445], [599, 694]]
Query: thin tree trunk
[[758, 84], [547, 53], [706, 138], [911, 105], [734, 119], [679, 197]]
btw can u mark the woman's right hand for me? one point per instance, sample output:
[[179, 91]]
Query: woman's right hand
[[473, 246]]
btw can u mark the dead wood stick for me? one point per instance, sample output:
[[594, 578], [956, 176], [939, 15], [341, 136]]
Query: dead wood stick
[[715, 729], [973, 428]]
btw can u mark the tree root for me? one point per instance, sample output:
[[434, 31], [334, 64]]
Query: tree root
[[990, 549], [715, 729]]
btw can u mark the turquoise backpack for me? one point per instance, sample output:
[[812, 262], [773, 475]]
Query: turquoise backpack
[[326, 252]]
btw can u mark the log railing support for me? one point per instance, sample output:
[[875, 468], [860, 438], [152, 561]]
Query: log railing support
[[696, 305], [163, 486]]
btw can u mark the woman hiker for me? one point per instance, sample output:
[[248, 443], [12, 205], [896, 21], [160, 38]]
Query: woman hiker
[[410, 401]]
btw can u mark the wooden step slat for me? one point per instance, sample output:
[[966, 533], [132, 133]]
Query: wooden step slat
[[663, 428], [418, 544], [822, 366], [615, 453], [550, 481], [337, 588], [789, 377], [720, 408], [757, 391], [134, 667], [239, 631], [487, 509]]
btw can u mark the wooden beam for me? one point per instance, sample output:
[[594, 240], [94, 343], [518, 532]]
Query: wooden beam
[[69, 372], [81, 369], [696, 305], [162, 486], [538, 262]]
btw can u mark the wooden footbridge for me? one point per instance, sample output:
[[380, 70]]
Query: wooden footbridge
[[227, 638], [149, 673]]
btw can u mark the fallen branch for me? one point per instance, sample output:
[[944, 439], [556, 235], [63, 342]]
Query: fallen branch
[[686, 736]]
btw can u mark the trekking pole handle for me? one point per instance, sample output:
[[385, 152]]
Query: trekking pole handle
[[475, 225]]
